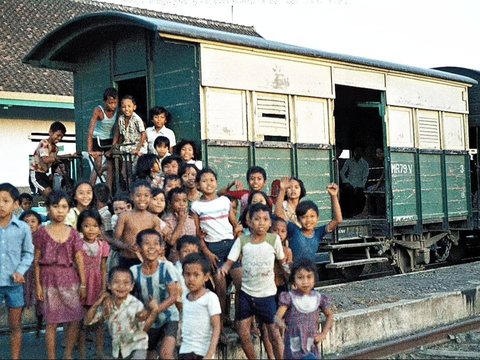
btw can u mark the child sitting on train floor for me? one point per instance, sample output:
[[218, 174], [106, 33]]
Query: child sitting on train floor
[[159, 117]]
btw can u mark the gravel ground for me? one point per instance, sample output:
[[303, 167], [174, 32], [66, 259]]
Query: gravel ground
[[366, 293]]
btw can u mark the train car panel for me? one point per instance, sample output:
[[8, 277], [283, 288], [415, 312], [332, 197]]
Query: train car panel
[[454, 130], [230, 162], [404, 187], [400, 127], [312, 123], [431, 184], [359, 78], [455, 171], [129, 52], [428, 129], [276, 160]]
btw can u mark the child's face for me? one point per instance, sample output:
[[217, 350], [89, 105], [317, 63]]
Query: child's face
[[188, 177], [128, 107], [32, 221], [171, 184], [111, 103], [159, 120], [121, 285], [58, 212], [151, 248], [156, 168], [258, 199], [309, 220], [186, 152], [162, 150], [141, 198], [188, 249], [234, 206], [55, 137], [119, 207], [26, 204], [256, 182], [304, 281], [260, 222], [90, 230], [171, 168], [180, 203], [207, 184], [194, 276], [157, 204], [294, 190], [84, 195], [280, 228]]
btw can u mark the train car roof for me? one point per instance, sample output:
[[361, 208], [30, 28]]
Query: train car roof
[[48, 52]]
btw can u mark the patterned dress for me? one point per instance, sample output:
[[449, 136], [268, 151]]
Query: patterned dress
[[59, 277], [302, 319], [92, 258]]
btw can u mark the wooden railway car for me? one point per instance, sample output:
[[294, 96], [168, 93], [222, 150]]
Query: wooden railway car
[[251, 101]]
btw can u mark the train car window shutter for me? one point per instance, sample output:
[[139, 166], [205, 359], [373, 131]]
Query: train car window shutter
[[271, 117], [453, 131], [428, 130]]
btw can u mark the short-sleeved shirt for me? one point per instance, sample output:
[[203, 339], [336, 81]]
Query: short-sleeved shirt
[[133, 132], [152, 134], [303, 246], [44, 148], [213, 216], [196, 326]]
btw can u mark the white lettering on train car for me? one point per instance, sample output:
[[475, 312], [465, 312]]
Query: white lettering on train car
[[402, 169]]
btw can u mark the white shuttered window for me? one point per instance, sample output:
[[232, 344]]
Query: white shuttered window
[[428, 130], [271, 116]]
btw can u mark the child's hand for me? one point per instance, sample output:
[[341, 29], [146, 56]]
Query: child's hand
[[82, 290], [237, 231], [39, 293], [153, 304], [182, 216], [18, 278], [142, 315], [223, 271], [280, 323], [213, 259], [319, 338], [285, 183], [332, 189], [238, 184]]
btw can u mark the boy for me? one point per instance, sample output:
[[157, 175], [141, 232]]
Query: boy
[[158, 280], [186, 245], [131, 129], [201, 323], [132, 222], [25, 201], [171, 164], [120, 203], [259, 250], [171, 182], [102, 197], [43, 158], [160, 117], [126, 316], [16, 252], [162, 147]]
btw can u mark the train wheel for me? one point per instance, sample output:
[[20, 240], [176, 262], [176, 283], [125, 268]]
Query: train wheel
[[404, 264]]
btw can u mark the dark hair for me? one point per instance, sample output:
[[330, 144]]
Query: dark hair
[[278, 220], [302, 264], [121, 197], [28, 213], [56, 196], [205, 170], [187, 239], [119, 269], [265, 196], [175, 191], [182, 143], [184, 167], [12, 190], [197, 258], [256, 169], [171, 158], [156, 191], [77, 185], [58, 126], [161, 140], [144, 166], [304, 206], [88, 213], [257, 208], [129, 97], [110, 92], [157, 110], [243, 217], [140, 183], [171, 177], [141, 235], [303, 191], [102, 192], [26, 196]]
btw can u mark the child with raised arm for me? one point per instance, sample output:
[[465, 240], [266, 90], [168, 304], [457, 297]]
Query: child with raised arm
[[304, 241], [127, 319], [16, 252], [259, 251], [201, 324], [300, 307]]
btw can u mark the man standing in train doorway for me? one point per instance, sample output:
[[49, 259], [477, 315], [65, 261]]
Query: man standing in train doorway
[[354, 175]]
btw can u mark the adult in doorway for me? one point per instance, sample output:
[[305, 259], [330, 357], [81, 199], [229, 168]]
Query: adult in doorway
[[354, 176]]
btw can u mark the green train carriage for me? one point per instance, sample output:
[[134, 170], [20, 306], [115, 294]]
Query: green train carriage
[[250, 101]]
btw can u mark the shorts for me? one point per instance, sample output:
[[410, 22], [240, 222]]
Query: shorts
[[222, 249], [264, 308], [39, 181], [13, 296], [101, 144], [127, 263], [137, 354], [155, 335], [190, 356]]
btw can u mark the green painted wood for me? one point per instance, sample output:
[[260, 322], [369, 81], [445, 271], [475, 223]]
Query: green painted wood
[[230, 163], [277, 162], [456, 177], [129, 52], [431, 185], [404, 190]]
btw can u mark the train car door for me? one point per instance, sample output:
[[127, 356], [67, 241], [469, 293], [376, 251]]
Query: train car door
[[137, 87]]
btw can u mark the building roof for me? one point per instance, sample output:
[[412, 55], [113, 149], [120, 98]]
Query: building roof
[[25, 22]]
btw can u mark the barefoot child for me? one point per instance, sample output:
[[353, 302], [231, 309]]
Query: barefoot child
[[16, 251]]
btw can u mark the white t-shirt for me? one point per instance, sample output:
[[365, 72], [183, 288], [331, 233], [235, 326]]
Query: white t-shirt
[[213, 216], [196, 327], [152, 134], [258, 279]]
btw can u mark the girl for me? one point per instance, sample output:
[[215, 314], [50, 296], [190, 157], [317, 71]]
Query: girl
[[148, 168], [295, 192], [255, 197], [157, 207], [188, 174], [59, 274], [300, 307], [187, 150], [95, 253], [83, 198]]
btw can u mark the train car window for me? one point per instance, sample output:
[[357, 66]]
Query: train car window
[[453, 131], [271, 117], [428, 129], [311, 114], [400, 127]]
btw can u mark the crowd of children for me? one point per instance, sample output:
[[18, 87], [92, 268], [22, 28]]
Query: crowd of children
[[155, 265]]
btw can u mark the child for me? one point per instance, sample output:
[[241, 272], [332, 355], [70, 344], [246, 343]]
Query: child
[[159, 117], [158, 280], [16, 251], [25, 201], [300, 308], [102, 196], [43, 158], [132, 222], [148, 168], [120, 203], [279, 227], [255, 197], [127, 320], [101, 133], [295, 192], [186, 245], [257, 295], [215, 225], [171, 182], [304, 241], [187, 150], [59, 274], [157, 206], [83, 198], [201, 323], [162, 147], [171, 164], [95, 252], [131, 129], [188, 174]]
